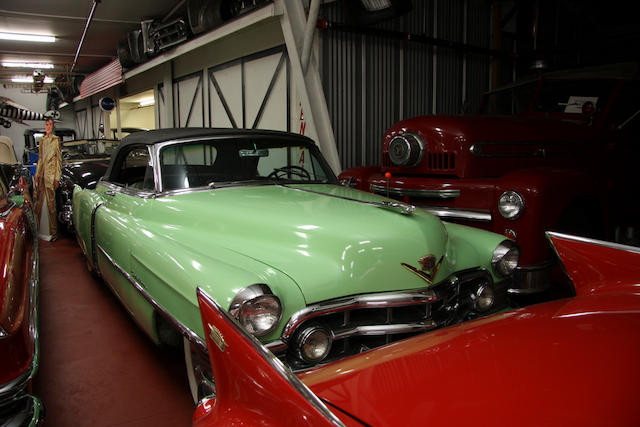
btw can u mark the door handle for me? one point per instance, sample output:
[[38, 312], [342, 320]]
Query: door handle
[[110, 193]]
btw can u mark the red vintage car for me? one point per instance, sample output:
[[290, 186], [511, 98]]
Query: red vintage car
[[18, 301], [568, 362], [551, 152]]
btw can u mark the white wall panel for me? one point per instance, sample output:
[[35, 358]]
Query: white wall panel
[[259, 75], [188, 101], [229, 90]]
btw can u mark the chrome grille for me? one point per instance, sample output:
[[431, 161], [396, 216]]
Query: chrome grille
[[363, 322], [434, 161]]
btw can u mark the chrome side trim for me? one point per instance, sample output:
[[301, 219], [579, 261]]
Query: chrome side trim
[[384, 329], [276, 364], [453, 213], [612, 245], [379, 300], [94, 256], [115, 188], [403, 208], [412, 192], [192, 336]]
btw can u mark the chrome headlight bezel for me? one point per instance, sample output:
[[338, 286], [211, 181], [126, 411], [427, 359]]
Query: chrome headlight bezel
[[505, 258], [407, 150], [511, 205], [252, 298], [305, 336], [483, 298]]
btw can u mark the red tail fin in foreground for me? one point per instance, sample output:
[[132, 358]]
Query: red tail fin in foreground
[[252, 386], [597, 267]]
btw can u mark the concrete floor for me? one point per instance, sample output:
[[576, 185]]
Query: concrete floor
[[96, 366]]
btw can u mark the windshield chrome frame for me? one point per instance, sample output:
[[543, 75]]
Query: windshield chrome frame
[[154, 152]]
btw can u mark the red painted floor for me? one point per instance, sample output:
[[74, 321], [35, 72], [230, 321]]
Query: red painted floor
[[96, 367]]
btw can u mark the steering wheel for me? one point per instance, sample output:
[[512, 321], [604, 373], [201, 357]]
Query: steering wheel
[[285, 171]]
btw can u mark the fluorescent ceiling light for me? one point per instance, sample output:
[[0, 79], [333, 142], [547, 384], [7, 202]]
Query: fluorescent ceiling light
[[44, 38], [145, 102], [30, 80], [27, 65]]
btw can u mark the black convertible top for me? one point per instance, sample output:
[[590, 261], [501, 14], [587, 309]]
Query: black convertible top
[[152, 137], [161, 135]]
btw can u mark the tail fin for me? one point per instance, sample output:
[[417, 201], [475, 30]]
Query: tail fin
[[595, 266], [252, 385]]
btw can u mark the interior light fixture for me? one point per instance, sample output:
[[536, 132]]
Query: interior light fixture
[[38, 65], [43, 38], [30, 80], [145, 102]]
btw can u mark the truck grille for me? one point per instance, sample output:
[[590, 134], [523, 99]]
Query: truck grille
[[433, 161], [441, 161]]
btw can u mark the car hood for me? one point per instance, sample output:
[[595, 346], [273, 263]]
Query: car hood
[[330, 240], [85, 173]]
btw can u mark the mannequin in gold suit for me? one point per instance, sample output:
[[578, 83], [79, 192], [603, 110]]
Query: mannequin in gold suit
[[48, 176]]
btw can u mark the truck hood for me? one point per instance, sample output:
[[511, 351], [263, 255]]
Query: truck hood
[[329, 239], [503, 128]]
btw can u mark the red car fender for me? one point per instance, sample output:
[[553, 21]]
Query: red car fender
[[252, 386], [570, 362]]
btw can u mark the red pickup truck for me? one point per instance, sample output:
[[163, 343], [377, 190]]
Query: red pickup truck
[[556, 151]]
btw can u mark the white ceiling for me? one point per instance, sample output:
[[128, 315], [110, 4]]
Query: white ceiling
[[66, 19]]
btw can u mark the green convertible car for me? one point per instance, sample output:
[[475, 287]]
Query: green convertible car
[[257, 219]]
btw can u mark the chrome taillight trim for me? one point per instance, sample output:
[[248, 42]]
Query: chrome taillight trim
[[413, 192], [378, 300]]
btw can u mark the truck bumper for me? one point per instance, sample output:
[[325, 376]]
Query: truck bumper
[[531, 279]]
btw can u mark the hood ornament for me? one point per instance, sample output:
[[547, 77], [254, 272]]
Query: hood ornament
[[428, 267]]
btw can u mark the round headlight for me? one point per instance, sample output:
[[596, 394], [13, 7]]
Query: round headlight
[[257, 309], [314, 343], [406, 150], [511, 205], [483, 298], [505, 258]]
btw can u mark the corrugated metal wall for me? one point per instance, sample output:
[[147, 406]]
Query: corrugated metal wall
[[372, 81]]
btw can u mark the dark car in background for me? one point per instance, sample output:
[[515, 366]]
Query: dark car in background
[[84, 162]]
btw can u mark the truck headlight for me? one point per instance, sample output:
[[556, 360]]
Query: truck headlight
[[505, 258], [257, 309], [511, 205], [406, 150]]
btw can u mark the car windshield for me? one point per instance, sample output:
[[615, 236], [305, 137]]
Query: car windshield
[[241, 160]]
